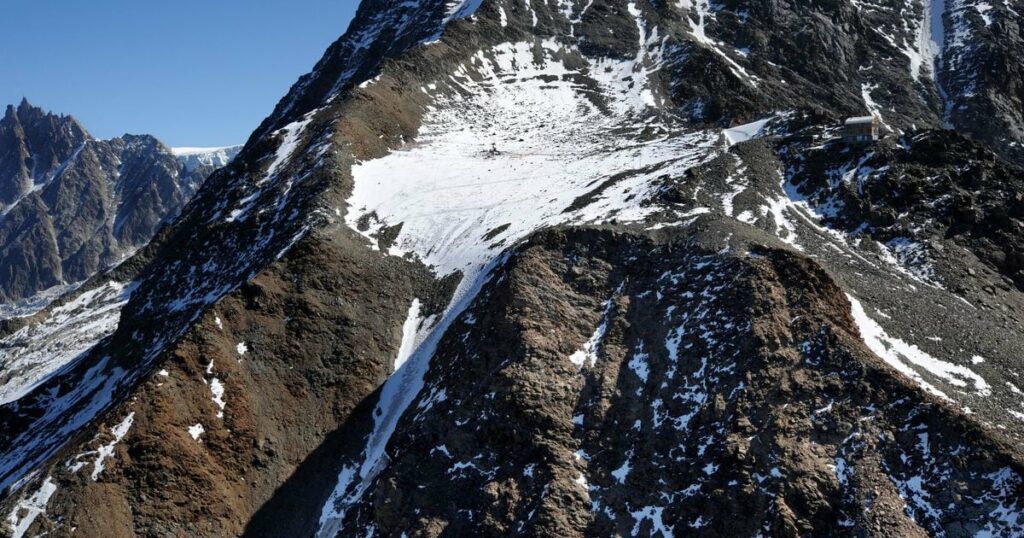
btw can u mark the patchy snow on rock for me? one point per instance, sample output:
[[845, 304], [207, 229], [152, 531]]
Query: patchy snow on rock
[[780, 210], [34, 353], [738, 182], [910, 258], [62, 416], [106, 451], [1007, 518], [652, 514], [460, 9], [30, 305], [28, 508], [241, 349], [700, 13], [638, 364], [983, 9], [907, 358], [290, 136]]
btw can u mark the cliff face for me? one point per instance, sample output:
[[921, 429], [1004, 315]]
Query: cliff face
[[73, 205], [574, 268]]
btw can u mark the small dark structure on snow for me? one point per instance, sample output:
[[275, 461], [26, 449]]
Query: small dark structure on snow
[[860, 129]]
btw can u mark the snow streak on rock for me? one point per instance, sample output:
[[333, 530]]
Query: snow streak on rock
[[904, 357], [587, 356], [104, 452], [398, 392], [26, 510]]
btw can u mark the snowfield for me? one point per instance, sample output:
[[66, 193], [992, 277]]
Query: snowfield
[[521, 153]]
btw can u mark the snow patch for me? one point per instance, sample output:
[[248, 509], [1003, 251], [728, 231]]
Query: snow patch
[[747, 131], [217, 389], [906, 357], [196, 430]]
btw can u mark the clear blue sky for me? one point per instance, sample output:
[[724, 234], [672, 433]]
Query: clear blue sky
[[190, 72]]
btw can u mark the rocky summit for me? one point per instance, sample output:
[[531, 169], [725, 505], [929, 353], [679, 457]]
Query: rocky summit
[[557, 268]]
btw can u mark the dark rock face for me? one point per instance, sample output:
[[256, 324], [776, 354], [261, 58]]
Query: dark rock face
[[983, 74], [764, 332], [930, 185], [739, 381], [73, 205]]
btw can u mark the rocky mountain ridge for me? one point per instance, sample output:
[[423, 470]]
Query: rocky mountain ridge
[[579, 269], [73, 205]]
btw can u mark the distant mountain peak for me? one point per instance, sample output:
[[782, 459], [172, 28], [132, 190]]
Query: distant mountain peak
[[69, 208]]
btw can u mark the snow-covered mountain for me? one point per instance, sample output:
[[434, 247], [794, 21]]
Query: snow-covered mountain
[[72, 205], [212, 158], [568, 268]]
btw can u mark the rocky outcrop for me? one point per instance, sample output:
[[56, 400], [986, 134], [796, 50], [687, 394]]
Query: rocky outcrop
[[612, 383], [917, 193], [982, 74]]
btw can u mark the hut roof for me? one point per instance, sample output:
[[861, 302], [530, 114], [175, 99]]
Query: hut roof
[[859, 120]]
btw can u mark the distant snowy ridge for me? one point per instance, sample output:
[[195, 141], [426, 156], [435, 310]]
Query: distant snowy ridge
[[192, 158]]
